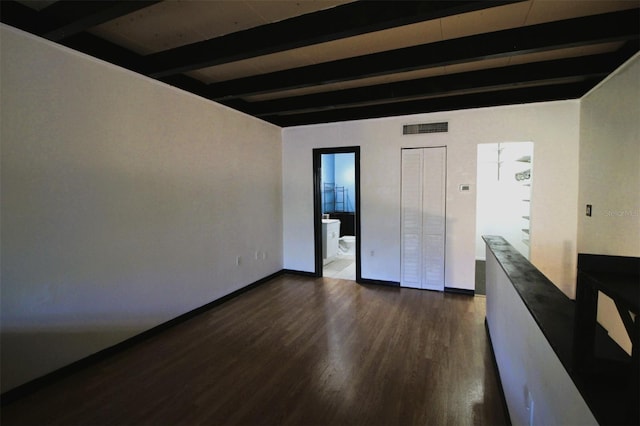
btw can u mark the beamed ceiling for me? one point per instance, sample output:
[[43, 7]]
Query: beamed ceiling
[[303, 62]]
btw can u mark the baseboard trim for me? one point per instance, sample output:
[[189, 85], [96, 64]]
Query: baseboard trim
[[365, 281], [459, 291], [300, 273], [33, 385], [379, 282], [505, 407]]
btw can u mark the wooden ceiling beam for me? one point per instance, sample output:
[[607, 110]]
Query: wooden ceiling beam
[[19, 16], [102, 49], [66, 18], [555, 80], [343, 21], [27, 19], [476, 100], [572, 69], [614, 26]]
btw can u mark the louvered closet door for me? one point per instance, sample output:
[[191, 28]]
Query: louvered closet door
[[411, 217], [423, 218], [433, 222]]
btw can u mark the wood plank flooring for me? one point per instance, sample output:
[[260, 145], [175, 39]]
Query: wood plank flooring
[[294, 351]]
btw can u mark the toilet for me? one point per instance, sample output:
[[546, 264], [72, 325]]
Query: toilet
[[347, 244]]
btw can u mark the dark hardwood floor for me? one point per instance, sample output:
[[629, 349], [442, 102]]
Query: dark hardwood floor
[[297, 351]]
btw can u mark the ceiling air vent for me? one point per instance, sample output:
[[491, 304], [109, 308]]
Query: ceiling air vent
[[414, 129]]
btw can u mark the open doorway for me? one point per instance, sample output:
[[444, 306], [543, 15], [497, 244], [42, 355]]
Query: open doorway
[[336, 177], [503, 198]]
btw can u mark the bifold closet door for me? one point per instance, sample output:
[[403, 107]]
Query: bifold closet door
[[423, 218]]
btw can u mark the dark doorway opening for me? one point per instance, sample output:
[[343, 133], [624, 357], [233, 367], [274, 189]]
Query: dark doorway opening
[[336, 200]]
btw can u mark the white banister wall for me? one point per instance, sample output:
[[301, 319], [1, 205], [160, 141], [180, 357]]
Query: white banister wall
[[537, 388]]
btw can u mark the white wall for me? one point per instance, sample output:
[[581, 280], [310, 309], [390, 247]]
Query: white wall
[[610, 177], [537, 388], [554, 129], [610, 165], [125, 203]]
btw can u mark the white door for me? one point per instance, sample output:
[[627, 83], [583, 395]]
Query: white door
[[423, 218]]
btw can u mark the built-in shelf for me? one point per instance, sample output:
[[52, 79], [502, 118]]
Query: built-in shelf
[[524, 179]]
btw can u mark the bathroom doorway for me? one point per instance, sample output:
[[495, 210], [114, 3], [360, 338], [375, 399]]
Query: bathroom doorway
[[336, 177]]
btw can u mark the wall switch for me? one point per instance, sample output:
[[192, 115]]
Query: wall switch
[[588, 209], [238, 260]]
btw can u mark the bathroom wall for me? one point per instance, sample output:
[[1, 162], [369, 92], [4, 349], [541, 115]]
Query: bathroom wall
[[552, 126], [327, 176], [339, 170], [345, 176], [125, 203]]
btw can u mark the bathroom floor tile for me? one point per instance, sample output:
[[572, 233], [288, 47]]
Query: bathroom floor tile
[[344, 267]]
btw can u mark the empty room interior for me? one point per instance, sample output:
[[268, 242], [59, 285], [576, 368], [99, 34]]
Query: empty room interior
[[320, 212]]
